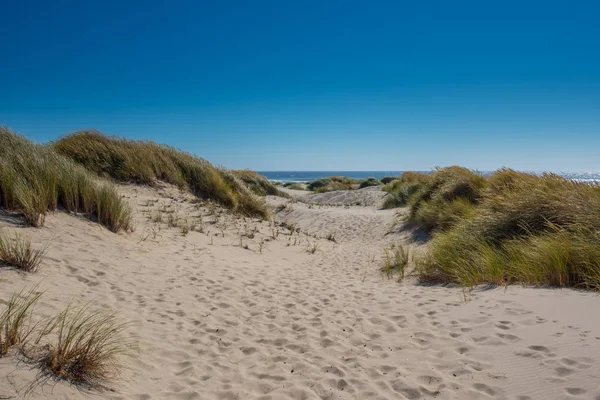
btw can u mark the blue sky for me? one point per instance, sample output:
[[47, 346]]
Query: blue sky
[[314, 85]]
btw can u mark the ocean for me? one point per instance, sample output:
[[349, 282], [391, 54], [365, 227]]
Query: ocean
[[307, 176]]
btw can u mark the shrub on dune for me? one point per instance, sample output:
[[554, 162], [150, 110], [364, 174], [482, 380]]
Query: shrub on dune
[[147, 162], [318, 184], [331, 184], [389, 179], [35, 179], [369, 182]]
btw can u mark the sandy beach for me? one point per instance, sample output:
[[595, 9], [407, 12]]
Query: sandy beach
[[248, 309]]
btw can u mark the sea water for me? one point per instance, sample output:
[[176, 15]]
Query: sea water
[[307, 176]]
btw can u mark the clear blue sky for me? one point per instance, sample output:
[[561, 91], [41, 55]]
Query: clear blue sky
[[314, 85]]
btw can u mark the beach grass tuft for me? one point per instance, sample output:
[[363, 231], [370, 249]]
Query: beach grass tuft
[[86, 348], [15, 321], [18, 252]]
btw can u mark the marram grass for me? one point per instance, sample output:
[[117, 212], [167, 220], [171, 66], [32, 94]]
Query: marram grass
[[521, 228], [147, 162], [86, 349], [34, 180], [259, 184], [16, 326]]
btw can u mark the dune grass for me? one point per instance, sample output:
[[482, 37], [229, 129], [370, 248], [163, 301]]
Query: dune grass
[[259, 184], [439, 200], [448, 195], [403, 188], [331, 184], [15, 321], [521, 228], [17, 252], [86, 349], [389, 179], [294, 186], [369, 182], [79, 345], [34, 179], [146, 162]]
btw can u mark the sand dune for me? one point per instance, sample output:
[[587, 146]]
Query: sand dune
[[369, 196], [216, 320]]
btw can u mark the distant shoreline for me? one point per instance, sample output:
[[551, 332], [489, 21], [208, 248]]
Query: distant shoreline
[[308, 176]]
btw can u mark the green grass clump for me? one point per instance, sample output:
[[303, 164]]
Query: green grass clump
[[259, 184], [318, 184], [403, 189], [369, 182], [147, 162], [532, 204], [536, 230], [17, 252], [389, 179], [448, 195], [293, 186], [35, 179], [331, 184]]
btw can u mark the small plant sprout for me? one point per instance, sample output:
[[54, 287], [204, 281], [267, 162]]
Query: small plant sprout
[[313, 247], [395, 260], [184, 227]]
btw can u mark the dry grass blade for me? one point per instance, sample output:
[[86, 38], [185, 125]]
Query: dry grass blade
[[17, 252], [87, 348], [15, 321]]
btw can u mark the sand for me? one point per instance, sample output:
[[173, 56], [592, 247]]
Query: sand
[[215, 320], [369, 196]]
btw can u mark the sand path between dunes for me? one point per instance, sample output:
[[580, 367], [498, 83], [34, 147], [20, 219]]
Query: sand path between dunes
[[215, 320]]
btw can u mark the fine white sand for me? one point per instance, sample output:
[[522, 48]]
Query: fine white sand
[[217, 321]]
